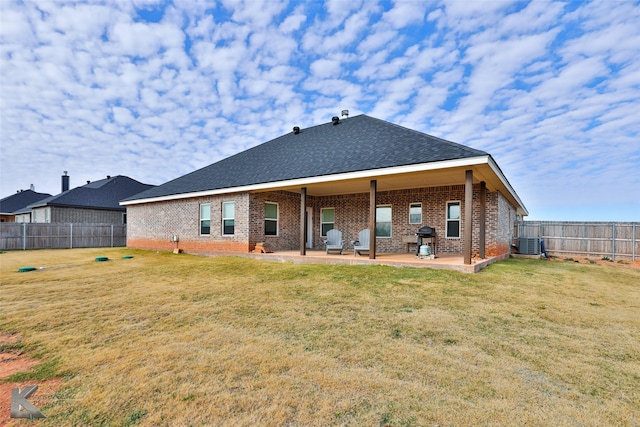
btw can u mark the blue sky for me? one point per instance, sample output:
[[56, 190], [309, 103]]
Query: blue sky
[[156, 89]]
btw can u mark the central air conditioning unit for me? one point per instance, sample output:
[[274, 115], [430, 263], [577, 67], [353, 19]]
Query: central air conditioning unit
[[529, 245]]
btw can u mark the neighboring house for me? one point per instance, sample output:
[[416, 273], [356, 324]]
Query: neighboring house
[[12, 208], [96, 202], [349, 174]]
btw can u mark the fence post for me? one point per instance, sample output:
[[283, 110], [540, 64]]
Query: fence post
[[633, 242], [24, 236], [71, 236], [613, 241], [111, 235]]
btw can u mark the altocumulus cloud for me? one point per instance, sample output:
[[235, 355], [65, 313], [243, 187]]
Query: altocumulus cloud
[[157, 89]]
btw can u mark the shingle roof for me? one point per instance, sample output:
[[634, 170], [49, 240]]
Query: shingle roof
[[356, 144], [103, 194], [18, 201]]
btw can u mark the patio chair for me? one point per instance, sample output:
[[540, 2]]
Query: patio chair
[[334, 241], [362, 244]]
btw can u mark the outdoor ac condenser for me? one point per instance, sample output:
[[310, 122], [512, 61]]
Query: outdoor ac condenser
[[529, 245]]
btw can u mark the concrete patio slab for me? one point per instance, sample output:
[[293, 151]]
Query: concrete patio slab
[[441, 262]]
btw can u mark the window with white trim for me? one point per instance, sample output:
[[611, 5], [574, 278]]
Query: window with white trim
[[228, 218], [327, 220], [383, 221], [205, 219], [415, 213], [270, 219], [453, 220]]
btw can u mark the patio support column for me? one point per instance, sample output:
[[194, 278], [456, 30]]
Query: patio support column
[[483, 217], [303, 221], [468, 215], [372, 218]]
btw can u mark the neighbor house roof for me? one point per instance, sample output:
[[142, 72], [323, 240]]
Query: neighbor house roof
[[346, 149], [13, 204], [103, 194]]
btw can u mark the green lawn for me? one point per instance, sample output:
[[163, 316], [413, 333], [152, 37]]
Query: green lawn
[[178, 340]]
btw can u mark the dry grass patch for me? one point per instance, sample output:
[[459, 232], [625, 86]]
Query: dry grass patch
[[164, 339]]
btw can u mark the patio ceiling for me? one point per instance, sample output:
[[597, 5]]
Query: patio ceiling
[[413, 176], [453, 176]]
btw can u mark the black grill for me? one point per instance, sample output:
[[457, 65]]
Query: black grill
[[429, 233], [426, 231]]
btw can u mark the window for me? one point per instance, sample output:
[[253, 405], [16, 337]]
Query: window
[[415, 213], [453, 220], [228, 218], [383, 221], [270, 219], [205, 219], [327, 220]]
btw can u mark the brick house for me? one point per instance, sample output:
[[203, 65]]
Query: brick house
[[348, 174], [12, 208], [93, 203]]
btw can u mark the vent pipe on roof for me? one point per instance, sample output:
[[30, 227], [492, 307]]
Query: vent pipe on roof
[[296, 130], [108, 176], [335, 120], [345, 114], [88, 182], [32, 187], [65, 182]]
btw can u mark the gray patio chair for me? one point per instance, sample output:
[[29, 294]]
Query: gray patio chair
[[362, 244], [334, 241]]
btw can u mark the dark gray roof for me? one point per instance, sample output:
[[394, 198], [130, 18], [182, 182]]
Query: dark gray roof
[[17, 202], [356, 144], [103, 194]]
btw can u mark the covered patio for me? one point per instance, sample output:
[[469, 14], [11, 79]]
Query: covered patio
[[478, 171]]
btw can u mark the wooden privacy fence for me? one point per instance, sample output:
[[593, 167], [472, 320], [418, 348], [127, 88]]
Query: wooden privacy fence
[[14, 235], [615, 240]]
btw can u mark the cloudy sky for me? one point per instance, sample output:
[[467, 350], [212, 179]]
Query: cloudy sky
[[157, 89]]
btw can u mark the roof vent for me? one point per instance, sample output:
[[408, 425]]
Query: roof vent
[[108, 176], [345, 114], [88, 182], [335, 120], [296, 130]]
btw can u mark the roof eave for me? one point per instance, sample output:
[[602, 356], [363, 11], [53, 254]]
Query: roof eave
[[72, 206], [301, 182]]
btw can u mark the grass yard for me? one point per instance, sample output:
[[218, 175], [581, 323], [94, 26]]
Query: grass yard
[[179, 340]]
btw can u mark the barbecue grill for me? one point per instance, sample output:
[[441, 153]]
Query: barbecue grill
[[426, 235]]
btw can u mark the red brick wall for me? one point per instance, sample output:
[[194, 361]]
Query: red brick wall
[[288, 237], [190, 246], [152, 225], [352, 215]]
